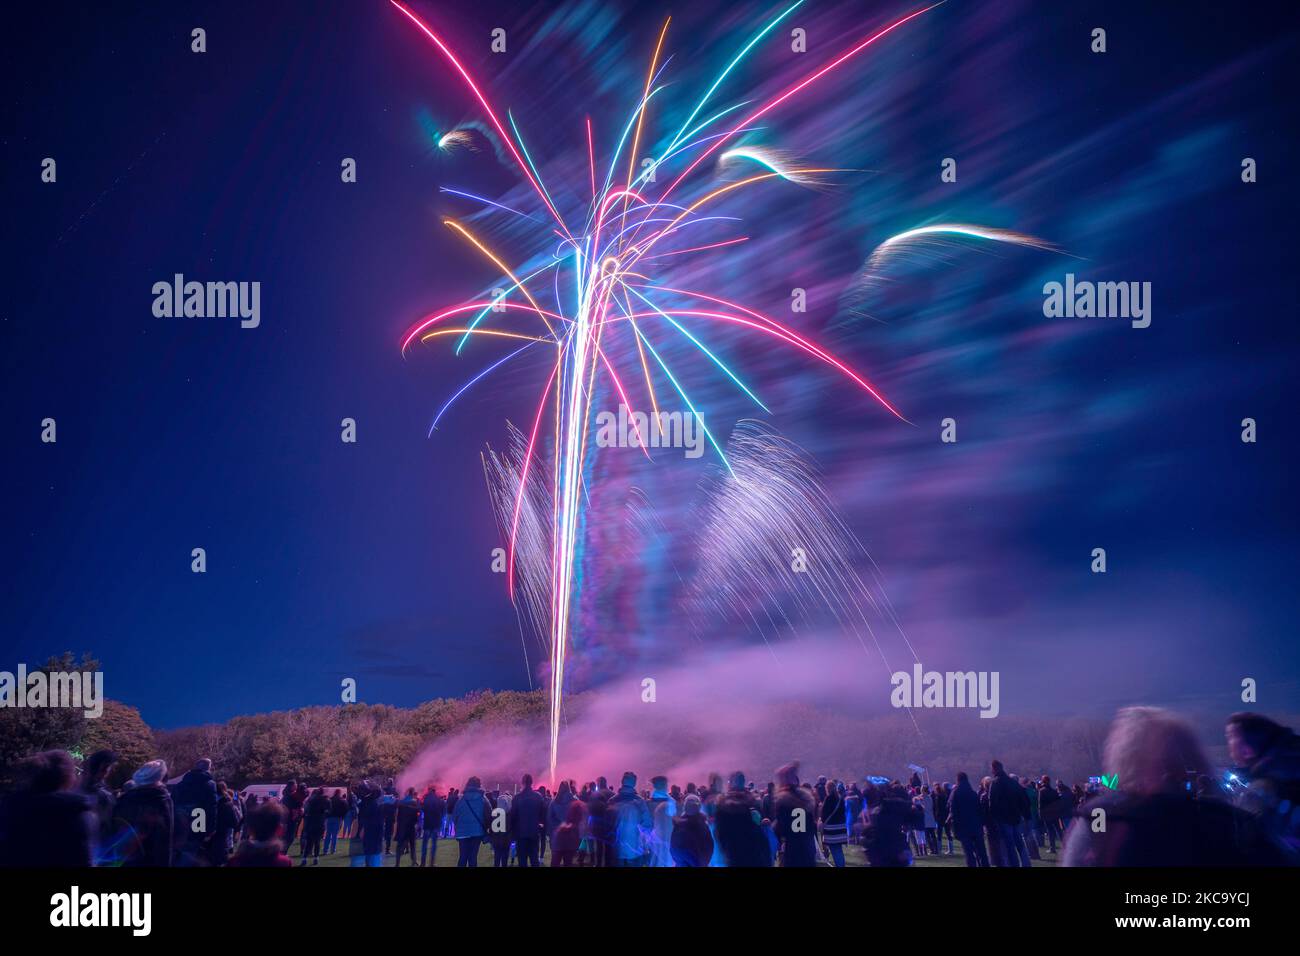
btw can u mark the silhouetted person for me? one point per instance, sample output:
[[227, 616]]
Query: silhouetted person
[[144, 820], [738, 829], [47, 821], [263, 848], [1155, 820], [527, 820], [692, 843], [94, 775], [432, 809], [195, 800], [795, 819], [1267, 755], [967, 822], [314, 811]]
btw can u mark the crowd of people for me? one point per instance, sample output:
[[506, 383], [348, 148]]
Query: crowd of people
[[1162, 805]]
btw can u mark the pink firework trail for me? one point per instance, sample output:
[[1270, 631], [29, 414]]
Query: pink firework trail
[[616, 300]]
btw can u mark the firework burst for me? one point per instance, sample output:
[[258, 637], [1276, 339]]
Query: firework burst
[[603, 303]]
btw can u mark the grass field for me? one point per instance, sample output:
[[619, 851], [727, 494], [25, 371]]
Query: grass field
[[448, 853]]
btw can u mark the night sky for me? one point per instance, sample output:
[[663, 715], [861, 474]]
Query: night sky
[[371, 560]]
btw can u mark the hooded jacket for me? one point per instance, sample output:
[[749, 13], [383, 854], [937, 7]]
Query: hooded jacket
[[631, 821], [964, 812], [527, 814], [434, 809], [1008, 802], [471, 816], [692, 843], [798, 833], [142, 826], [739, 836]]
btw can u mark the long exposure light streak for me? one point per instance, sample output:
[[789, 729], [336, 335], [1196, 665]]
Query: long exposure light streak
[[610, 296]]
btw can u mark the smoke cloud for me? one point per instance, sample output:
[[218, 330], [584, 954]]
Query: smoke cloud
[[823, 701]]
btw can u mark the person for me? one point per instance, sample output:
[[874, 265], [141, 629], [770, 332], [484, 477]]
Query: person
[[94, 774], [350, 817], [500, 832], [1050, 806], [1069, 803], [853, 807], [660, 852], [598, 824], [1009, 809], [1267, 756], [888, 813], [989, 824], [543, 832], [929, 824], [1033, 824], [195, 801], [631, 823], [143, 820], [366, 849], [452, 796], [567, 837], [293, 798], [266, 826], [659, 793], [738, 827], [334, 817], [249, 806], [769, 834], [314, 811], [965, 819], [942, 793], [794, 819], [557, 811], [432, 809], [835, 825], [692, 843], [663, 808], [916, 830], [388, 814], [527, 822], [227, 825], [408, 815], [470, 816], [1155, 819], [48, 821]]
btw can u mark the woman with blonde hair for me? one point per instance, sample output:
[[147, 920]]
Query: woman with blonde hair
[[1153, 817]]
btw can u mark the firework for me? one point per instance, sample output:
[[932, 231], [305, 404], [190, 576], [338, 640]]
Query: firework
[[457, 139], [621, 304]]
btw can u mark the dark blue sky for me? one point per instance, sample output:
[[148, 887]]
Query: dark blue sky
[[371, 560]]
